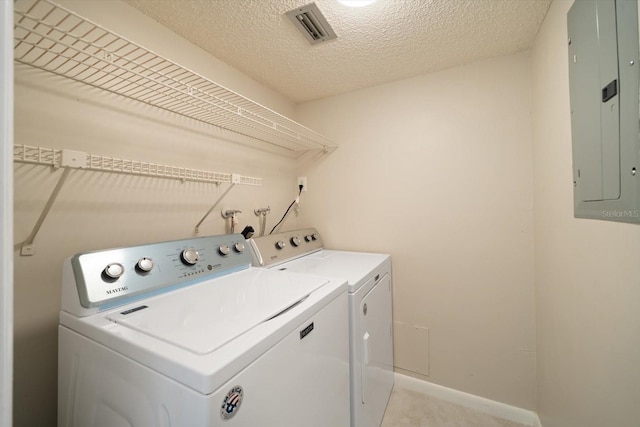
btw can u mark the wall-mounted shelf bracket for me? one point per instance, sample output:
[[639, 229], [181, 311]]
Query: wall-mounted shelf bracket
[[216, 203], [71, 159], [27, 248]]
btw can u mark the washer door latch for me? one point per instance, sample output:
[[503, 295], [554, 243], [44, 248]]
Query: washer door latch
[[365, 309]]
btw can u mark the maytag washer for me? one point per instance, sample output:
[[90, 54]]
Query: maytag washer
[[370, 313], [187, 333]]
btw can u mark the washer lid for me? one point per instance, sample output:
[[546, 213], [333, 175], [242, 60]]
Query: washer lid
[[204, 317]]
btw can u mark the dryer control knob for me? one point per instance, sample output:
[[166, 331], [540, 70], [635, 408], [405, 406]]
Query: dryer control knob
[[190, 256], [144, 265], [113, 270], [308, 238], [224, 250], [315, 236], [239, 247], [295, 240], [280, 244]]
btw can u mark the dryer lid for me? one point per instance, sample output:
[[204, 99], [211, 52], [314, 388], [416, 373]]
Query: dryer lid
[[204, 317], [356, 267]]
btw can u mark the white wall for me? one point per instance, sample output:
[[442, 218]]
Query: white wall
[[6, 214], [436, 170], [587, 272], [99, 210]]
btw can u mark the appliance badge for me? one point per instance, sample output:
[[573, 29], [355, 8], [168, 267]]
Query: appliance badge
[[231, 403], [117, 290]]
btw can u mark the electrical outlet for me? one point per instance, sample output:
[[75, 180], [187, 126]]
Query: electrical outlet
[[302, 180]]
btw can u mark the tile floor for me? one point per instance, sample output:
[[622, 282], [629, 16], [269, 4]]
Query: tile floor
[[408, 408]]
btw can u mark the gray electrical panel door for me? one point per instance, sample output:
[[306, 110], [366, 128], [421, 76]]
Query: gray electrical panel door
[[593, 65], [603, 86]]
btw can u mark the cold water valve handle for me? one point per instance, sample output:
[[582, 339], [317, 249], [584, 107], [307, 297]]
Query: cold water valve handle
[[263, 223]]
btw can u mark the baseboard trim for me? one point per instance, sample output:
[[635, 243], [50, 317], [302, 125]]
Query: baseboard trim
[[491, 407]]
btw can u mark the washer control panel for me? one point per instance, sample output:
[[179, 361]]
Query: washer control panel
[[111, 275], [281, 247]]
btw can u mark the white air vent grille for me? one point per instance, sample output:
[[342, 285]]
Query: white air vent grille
[[310, 21]]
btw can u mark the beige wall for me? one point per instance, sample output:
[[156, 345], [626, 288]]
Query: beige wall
[[99, 210], [436, 170], [587, 272]]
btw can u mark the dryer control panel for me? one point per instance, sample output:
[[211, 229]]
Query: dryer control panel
[[276, 248], [109, 276]]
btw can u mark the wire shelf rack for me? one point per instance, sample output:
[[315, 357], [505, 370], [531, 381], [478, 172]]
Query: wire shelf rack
[[52, 38], [76, 159], [70, 159], [37, 155]]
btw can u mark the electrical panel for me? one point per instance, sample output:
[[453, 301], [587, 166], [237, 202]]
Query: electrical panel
[[604, 70]]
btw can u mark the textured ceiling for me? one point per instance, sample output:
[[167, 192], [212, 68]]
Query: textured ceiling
[[386, 41]]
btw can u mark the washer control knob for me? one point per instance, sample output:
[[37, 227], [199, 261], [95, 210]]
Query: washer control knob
[[190, 256], [295, 240], [224, 249], [144, 265], [113, 270], [315, 236], [239, 247], [308, 237], [280, 244]]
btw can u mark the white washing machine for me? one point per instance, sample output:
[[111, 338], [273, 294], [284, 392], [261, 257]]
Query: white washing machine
[[186, 333], [370, 316]]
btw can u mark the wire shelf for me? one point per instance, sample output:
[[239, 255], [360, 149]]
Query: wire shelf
[[52, 38], [37, 155], [80, 160]]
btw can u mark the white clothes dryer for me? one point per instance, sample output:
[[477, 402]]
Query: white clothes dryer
[[370, 310], [187, 333]]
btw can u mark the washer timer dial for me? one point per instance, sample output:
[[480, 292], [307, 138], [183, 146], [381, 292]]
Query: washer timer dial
[[190, 256]]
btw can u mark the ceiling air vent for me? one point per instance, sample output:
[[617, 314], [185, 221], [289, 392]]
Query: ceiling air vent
[[310, 21]]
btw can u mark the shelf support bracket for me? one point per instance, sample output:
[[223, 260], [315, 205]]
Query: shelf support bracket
[[27, 247], [197, 228]]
